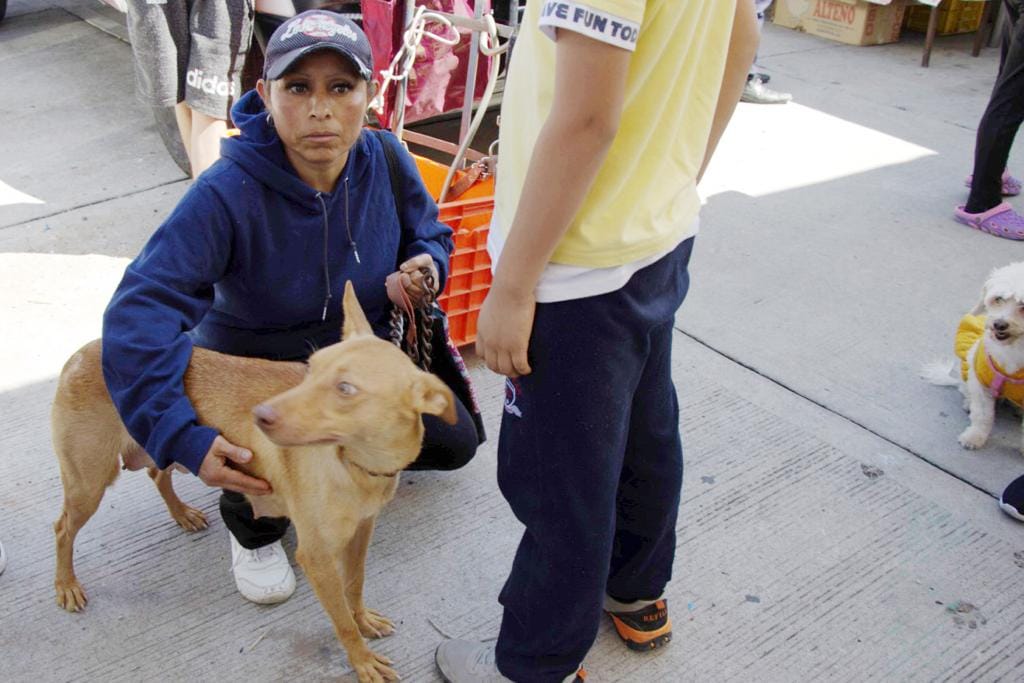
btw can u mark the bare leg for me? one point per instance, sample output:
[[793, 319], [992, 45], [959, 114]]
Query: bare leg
[[207, 132], [188, 518], [183, 115], [372, 624]]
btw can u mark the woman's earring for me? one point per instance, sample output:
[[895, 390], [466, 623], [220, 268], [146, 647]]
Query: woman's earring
[[270, 121]]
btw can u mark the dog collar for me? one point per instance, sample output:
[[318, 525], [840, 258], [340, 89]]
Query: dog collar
[[371, 472], [999, 378]]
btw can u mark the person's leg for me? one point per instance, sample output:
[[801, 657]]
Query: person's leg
[[647, 503], [647, 506], [756, 90], [220, 34], [998, 127], [251, 532], [259, 564], [761, 6], [1012, 9], [445, 446], [560, 458], [204, 147], [183, 116]]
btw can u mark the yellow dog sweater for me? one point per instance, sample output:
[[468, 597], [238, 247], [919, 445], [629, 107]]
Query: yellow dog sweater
[[998, 383]]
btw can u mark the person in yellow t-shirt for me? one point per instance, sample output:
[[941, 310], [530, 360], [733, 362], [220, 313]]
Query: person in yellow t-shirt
[[611, 111]]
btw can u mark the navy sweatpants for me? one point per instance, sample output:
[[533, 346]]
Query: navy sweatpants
[[590, 460]]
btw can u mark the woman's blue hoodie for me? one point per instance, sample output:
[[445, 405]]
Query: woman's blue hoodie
[[253, 262]]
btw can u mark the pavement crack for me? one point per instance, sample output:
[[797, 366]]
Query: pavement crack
[[93, 203], [830, 410]]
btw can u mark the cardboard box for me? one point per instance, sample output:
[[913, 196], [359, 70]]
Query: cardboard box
[[855, 22]]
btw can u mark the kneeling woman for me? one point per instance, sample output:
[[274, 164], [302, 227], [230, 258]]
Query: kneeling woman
[[253, 261]]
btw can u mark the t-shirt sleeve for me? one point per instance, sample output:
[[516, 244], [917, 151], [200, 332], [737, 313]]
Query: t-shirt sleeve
[[616, 22]]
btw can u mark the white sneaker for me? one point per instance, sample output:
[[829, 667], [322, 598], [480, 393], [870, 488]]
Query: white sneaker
[[463, 661], [263, 575], [3, 559]]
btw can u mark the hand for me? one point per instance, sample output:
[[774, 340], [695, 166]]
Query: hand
[[217, 471], [412, 278], [503, 331]]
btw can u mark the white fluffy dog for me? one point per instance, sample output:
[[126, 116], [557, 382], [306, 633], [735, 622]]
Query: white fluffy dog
[[990, 345]]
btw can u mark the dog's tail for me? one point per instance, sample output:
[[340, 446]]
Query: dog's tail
[[942, 373]]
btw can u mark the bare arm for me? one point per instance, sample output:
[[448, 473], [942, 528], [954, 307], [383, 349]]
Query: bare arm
[[742, 49], [590, 81]]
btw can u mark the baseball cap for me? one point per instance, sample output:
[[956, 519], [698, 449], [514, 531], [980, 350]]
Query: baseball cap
[[316, 30]]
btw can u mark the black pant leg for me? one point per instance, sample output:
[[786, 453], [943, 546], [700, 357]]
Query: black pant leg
[[445, 446], [250, 532], [1002, 118]]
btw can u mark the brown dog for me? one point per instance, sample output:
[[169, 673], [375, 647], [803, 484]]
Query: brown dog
[[330, 438]]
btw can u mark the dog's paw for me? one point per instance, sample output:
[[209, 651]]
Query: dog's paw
[[70, 595], [371, 667], [190, 519], [373, 624], [972, 438]]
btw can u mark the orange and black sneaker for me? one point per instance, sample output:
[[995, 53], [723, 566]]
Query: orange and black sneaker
[[646, 628]]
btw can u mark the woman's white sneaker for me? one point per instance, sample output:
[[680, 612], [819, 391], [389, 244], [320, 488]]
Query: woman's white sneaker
[[262, 575]]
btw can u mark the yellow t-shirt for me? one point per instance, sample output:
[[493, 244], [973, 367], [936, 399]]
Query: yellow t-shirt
[[644, 199]]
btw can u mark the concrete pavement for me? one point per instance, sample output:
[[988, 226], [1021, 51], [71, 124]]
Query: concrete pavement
[[831, 527]]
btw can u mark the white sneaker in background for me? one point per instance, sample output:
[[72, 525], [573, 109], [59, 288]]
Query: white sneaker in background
[[262, 575], [3, 559]]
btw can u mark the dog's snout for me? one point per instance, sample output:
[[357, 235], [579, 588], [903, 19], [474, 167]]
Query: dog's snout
[[265, 415], [1000, 325]]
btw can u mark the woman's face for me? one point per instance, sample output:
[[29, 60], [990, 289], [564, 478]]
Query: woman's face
[[317, 108]]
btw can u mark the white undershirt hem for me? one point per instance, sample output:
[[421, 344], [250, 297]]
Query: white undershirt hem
[[560, 282]]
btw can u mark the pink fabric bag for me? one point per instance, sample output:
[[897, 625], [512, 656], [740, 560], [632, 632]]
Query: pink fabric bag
[[438, 81]]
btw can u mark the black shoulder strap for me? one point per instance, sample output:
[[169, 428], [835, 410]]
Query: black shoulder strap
[[396, 178]]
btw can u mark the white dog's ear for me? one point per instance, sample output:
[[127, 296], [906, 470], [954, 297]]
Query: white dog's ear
[[979, 307]]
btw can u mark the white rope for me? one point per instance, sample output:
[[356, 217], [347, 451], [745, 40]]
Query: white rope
[[490, 47], [401, 64]]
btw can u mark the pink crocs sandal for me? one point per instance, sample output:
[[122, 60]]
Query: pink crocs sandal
[[1001, 221], [1011, 186]]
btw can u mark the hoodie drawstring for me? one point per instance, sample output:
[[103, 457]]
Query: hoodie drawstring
[[351, 243], [327, 270], [348, 227]]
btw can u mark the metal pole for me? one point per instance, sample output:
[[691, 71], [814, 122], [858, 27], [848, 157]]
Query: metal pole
[[398, 116], [474, 59]]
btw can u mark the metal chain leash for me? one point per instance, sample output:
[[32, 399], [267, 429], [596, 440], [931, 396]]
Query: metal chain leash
[[417, 333]]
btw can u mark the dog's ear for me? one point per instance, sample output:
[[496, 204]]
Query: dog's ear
[[431, 396], [355, 324], [979, 307]]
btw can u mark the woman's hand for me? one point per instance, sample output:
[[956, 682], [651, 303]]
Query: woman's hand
[[412, 278], [503, 331], [217, 471]]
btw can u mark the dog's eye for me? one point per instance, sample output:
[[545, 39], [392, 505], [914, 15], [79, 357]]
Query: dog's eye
[[348, 389], [998, 300]]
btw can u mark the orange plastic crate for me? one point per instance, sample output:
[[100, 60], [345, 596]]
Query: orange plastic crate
[[469, 277]]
